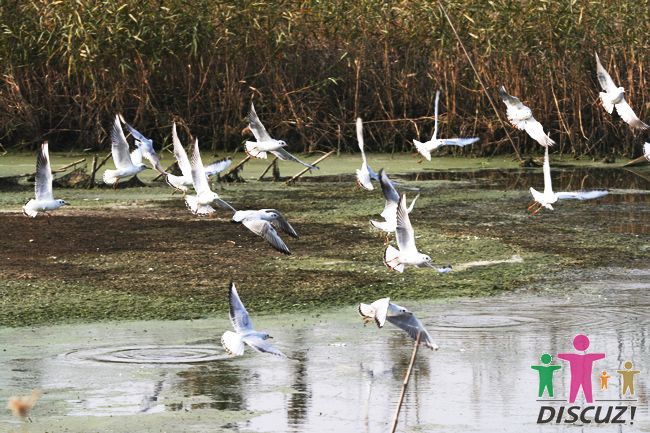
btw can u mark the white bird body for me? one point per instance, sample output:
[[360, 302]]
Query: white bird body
[[390, 208], [547, 198], [425, 148], [383, 310], [233, 342], [43, 200], [407, 254], [201, 203], [365, 175], [126, 164], [265, 143], [261, 222], [646, 151], [614, 97], [522, 118]]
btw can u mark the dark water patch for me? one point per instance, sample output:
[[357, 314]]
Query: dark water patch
[[150, 354]]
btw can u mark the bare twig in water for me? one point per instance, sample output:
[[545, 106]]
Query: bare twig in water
[[405, 383]]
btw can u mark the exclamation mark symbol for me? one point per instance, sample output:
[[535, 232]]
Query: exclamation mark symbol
[[632, 412]]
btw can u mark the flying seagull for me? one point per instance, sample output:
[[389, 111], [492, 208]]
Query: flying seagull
[[390, 208], [261, 223], [522, 118], [200, 203], [427, 147], [146, 146], [233, 342], [614, 96], [408, 253], [365, 175], [382, 310], [44, 200], [265, 144], [184, 181], [126, 165], [548, 197]]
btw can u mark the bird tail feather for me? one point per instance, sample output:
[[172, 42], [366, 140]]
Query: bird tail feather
[[422, 149], [232, 343], [176, 182], [253, 151], [110, 177]]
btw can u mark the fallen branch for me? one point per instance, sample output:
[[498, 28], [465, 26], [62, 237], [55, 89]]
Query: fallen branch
[[306, 169], [234, 169], [275, 161]]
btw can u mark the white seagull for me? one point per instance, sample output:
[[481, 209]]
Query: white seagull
[[146, 146], [365, 175], [614, 96], [265, 144], [126, 165], [408, 253], [646, 151], [522, 118], [261, 222], [382, 310], [184, 181], [390, 208], [217, 167], [427, 147], [233, 342], [200, 203], [548, 197], [44, 201]]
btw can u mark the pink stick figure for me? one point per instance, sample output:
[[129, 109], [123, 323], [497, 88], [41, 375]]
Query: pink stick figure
[[581, 365]]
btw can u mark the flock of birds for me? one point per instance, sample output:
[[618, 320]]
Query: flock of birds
[[267, 222]]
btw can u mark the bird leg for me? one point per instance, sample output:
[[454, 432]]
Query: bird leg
[[532, 204], [116, 182], [47, 214]]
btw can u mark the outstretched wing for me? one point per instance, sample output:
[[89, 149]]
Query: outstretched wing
[[181, 156], [625, 111], [239, 318], [509, 100], [404, 232], [546, 168], [409, 323], [582, 195], [536, 132], [256, 127], [199, 179], [43, 178], [146, 145], [266, 230], [262, 345], [360, 139], [217, 166], [604, 78], [119, 146], [461, 142], [286, 156], [284, 224]]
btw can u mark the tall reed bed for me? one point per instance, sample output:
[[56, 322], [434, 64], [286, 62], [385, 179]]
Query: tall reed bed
[[312, 66]]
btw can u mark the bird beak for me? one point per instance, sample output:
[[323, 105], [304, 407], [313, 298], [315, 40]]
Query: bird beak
[[270, 336]]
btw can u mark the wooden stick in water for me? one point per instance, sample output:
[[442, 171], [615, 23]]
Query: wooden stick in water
[[405, 383], [306, 169]]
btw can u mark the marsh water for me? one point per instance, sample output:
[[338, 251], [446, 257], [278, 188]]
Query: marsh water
[[342, 376]]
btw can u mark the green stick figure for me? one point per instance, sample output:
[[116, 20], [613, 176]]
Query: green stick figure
[[628, 378], [546, 374]]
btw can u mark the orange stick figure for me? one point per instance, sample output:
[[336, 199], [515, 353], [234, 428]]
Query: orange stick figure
[[604, 377]]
